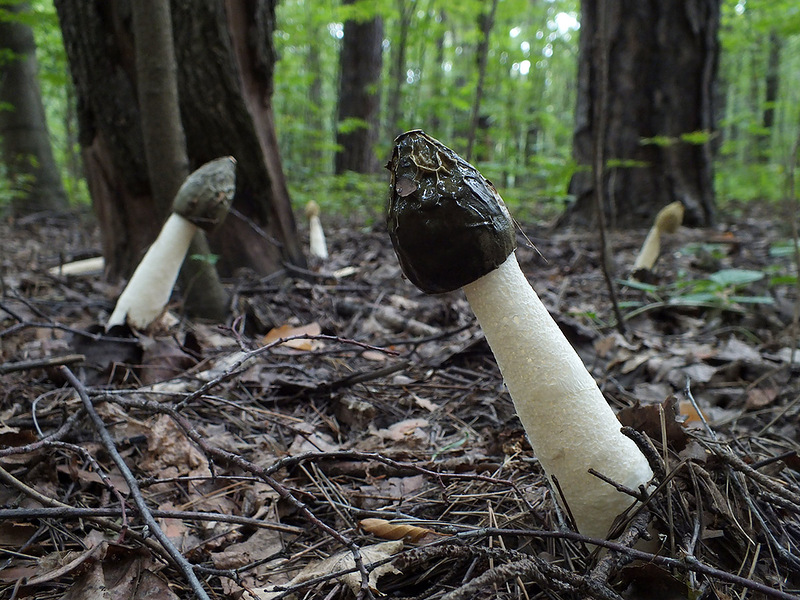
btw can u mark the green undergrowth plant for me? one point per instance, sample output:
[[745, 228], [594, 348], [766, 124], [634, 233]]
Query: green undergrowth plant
[[362, 198], [725, 289], [353, 196]]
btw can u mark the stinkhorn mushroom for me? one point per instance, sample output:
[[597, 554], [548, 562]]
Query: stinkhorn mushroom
[[316, 236], [202, 202], [667, 220], [450, 229]]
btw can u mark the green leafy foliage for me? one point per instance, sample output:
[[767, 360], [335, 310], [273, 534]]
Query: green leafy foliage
[[58, 99], [726, 288], [752, 157], [527, 111], [359, 197], [527, 115]]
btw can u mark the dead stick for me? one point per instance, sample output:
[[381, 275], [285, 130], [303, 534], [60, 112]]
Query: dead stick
[[71, 512], [15, 483], [264, 475], [39, 363], [184, 565]]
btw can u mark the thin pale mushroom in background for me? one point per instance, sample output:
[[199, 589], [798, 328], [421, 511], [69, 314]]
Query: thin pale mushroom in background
[[202, 202], [86, 266], [450, 229], [317, 246], [667, 220]]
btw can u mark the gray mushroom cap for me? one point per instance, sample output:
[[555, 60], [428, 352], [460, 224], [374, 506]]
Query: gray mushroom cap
[[447, 223], [205, 197]]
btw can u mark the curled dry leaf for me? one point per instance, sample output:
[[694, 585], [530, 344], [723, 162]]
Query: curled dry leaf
[[397, 531], [286, 331], [341, 561]]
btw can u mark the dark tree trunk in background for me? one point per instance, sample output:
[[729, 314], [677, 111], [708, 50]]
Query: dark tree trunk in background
[[165, 148], [662, 63], [438, 91], [225, 64], [26, 149], [771, 87], [360, 65], [476, 121], [397, 76]]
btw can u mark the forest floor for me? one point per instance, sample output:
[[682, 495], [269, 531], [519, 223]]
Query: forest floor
[[382, 428]]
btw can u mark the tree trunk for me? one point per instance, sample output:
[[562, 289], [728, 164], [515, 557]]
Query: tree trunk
[[662, 63], [397, 76], [27, 153], [165, 148], [225, 65], [486, 23], [360, 63], [771, 88]]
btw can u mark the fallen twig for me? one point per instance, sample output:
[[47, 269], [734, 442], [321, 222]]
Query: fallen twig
[[185, 566]]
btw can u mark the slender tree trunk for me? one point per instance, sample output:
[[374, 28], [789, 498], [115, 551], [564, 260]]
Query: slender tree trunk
[[771, 88], [225, 58], [26, 149], [486, 21], [660, 120], [438, 90], [165, 148], [315, 113], [397, 75], [360, 62]]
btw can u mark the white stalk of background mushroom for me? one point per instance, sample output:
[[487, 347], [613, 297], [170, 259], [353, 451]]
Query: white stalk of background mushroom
[[202, 201], [667, 220], [317, 247], [451, 229]]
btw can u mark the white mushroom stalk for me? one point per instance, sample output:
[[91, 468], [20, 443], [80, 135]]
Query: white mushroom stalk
[[667, 220], [86, 266], [451, 229], [203, 202], [316, 236]]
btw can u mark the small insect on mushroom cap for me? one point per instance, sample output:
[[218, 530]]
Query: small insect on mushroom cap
[[447, 223]]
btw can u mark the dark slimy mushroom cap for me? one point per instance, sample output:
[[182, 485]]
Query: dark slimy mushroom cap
[[448, 224], [205, 197]]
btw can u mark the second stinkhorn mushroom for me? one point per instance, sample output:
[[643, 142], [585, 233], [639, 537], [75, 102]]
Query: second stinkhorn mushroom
[[316, 236], [667, 220], [202, 202], [450, 229]]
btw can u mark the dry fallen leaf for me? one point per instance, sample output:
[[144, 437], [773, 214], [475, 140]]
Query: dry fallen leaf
[[760, 397], [285, 331], [170, 453], [404, 430], [342, 561], [398, 531]]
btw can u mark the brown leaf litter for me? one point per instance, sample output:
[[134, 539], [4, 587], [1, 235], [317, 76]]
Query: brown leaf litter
[[377, 453]]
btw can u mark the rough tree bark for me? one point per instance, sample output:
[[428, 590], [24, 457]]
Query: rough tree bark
[[26, 149], [662, 65], [225, 65], [165, 148], [360, 64]]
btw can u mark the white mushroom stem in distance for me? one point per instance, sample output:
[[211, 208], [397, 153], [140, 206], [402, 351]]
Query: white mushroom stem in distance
[[451, 229], [202, 202], [316, 236], [667, 220]]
